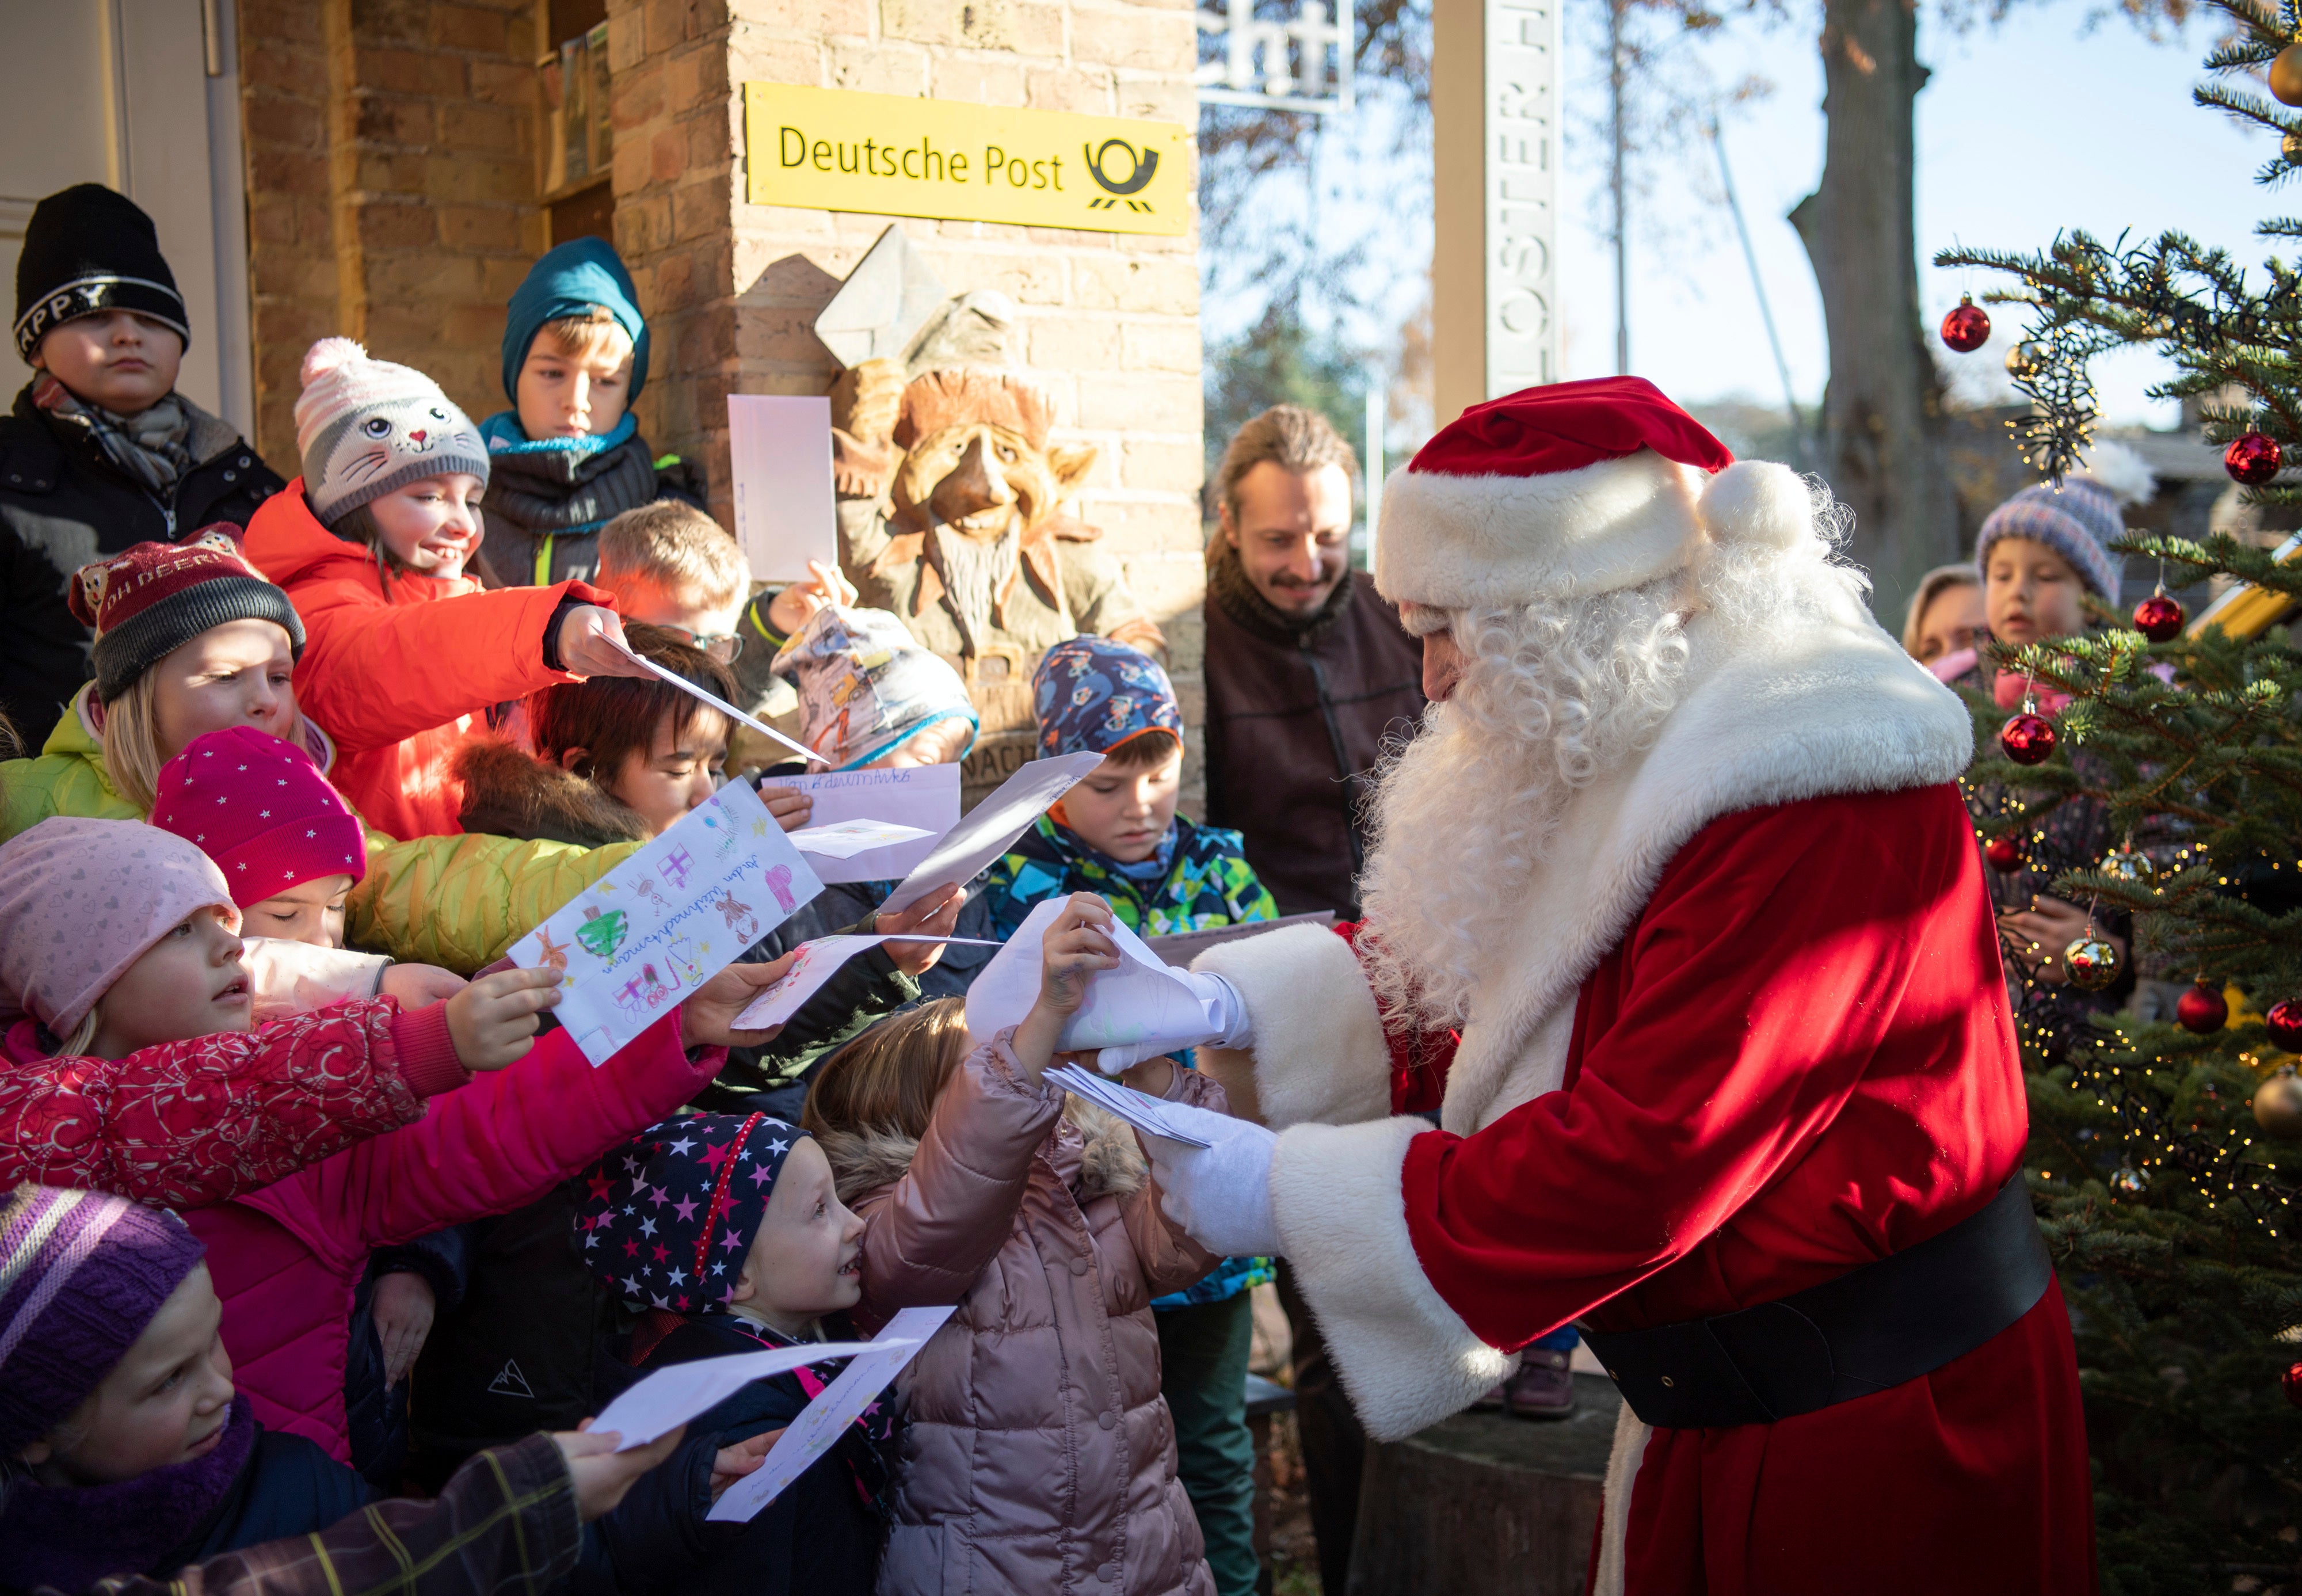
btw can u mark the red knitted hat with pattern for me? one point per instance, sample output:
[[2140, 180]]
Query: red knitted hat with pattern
[[150, 600], [260, 808]]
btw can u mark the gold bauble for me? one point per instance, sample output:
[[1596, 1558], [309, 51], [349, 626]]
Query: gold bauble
[[2024, 359], [2277, 1105], [2092, 962], [2286, 76], [2291, 147]]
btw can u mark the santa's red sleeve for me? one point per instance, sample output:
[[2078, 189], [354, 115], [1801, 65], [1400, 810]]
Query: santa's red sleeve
[[1755, 993]]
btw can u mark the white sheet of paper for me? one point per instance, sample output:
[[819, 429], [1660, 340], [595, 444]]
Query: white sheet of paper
[[816, 963], [722, 705], [1142, 1000], [677, 1392], [988, 830], [837, 1406], [645, 935], [844, 839], [922, 795], [1145, 1113], [779, 454]]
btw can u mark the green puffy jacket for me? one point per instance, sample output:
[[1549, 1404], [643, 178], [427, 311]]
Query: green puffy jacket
[[458, 902]]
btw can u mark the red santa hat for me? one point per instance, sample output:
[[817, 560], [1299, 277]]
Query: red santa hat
[[1569, 488]]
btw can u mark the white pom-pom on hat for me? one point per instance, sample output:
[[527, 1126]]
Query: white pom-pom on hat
[[1758, 504], [327, 355]]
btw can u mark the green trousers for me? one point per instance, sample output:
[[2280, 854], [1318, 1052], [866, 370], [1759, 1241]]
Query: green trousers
[[1203, 1351]]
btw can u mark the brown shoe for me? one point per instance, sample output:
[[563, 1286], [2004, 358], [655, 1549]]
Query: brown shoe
[[1543, 1388]]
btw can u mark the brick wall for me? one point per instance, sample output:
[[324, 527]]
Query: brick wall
[[392, 188], [1112, 320]]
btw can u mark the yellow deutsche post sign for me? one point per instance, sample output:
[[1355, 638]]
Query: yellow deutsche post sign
[[889, 155]]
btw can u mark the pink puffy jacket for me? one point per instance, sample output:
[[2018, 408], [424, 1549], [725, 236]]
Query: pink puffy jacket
[[1037, 1452], [286, 1259]]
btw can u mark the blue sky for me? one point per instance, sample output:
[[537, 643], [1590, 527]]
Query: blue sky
[[2039, 122], [2032, 125]]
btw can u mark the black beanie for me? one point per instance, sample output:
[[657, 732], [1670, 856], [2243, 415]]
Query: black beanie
[[88, 250]]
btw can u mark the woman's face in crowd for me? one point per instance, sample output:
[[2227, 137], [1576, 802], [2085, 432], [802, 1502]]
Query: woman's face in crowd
[[165, 1402], [1949, 621], [237, 674], [190, 983], [807, 1259], [120, 361], [309, 911], [2030, 594], [1125, 813], [676, 773], [430, 526]]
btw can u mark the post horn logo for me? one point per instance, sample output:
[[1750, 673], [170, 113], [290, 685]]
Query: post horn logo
[[1143, 164]]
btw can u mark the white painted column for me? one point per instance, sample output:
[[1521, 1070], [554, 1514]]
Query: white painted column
[[1494, 269]]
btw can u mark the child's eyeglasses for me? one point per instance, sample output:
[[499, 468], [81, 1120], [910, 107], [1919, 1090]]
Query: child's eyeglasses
[[726, 647]]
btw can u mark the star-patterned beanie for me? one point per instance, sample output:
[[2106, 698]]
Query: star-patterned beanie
[[669, 1216], [260, 808]]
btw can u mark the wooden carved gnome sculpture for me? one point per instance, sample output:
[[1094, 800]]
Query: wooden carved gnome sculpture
[[950, 490]]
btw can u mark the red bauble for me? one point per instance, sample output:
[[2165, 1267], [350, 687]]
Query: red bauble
[[2252, 459], [2159, 617], [2028, 739], [2284, 1021], [2003, 854], [2201, 1010], [2292, 1381], [1967, 328]]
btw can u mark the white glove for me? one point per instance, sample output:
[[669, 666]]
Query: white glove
[[1225, 1019], [1221, 1194]]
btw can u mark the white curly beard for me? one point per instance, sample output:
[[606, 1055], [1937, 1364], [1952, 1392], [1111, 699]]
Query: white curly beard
[[1556, 695]]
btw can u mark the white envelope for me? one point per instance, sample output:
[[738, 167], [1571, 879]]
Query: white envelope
[[844, 839], [923, 795], [1140, 1000], [992, 826], [834, 1407], [677, 1392], [817, 962]]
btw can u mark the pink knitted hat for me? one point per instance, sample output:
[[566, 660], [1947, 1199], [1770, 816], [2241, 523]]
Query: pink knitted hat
[[82, 900], [260, 808]]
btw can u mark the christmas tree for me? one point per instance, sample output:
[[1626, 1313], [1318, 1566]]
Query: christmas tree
[[2166, 1158]]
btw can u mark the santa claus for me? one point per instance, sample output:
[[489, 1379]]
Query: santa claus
[[1676, 918]]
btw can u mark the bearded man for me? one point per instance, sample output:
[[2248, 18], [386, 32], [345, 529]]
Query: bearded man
[[1675, 916]]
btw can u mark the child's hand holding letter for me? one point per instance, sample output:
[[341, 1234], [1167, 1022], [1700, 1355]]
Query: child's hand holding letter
[[1077, 945], [492, 1020]]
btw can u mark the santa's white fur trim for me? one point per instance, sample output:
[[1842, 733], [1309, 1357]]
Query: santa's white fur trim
[[1819, 700], [1462, 543], [1623, 1460], [1406, 1358], [1319, 1049]]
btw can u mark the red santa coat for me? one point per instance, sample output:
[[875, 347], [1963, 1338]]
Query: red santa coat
[[1754, 1037]]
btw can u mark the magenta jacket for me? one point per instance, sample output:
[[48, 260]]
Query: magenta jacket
[[287, 1259]]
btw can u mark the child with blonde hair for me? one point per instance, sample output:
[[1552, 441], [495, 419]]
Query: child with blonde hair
[[1034, 1442]]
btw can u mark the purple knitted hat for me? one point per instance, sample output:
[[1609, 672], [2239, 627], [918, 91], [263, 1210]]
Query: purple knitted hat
[[81, 1274], [2078, 520]]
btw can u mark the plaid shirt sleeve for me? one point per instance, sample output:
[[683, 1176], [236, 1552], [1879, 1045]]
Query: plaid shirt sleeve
[[506, 1525]]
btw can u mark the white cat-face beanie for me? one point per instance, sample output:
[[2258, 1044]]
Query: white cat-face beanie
[[367, 426]]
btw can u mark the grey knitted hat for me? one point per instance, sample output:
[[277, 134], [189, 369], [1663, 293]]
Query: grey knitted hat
[[2078, 520]]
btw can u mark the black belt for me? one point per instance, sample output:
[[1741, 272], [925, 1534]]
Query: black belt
[[1870, 1329]]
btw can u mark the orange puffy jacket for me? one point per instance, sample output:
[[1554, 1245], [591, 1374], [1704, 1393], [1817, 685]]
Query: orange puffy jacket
[[398, 667]]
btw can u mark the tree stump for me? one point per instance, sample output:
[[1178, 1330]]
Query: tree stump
[[1486, 1503]]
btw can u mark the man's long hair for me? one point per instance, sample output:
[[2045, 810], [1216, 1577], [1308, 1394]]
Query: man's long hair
[[1556, 695]]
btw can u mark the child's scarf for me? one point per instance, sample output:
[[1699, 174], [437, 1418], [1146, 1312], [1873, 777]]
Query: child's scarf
[[152, 449], [70, 1537]]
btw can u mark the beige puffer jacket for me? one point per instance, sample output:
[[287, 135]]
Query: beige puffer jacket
[[1037, 1452]]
